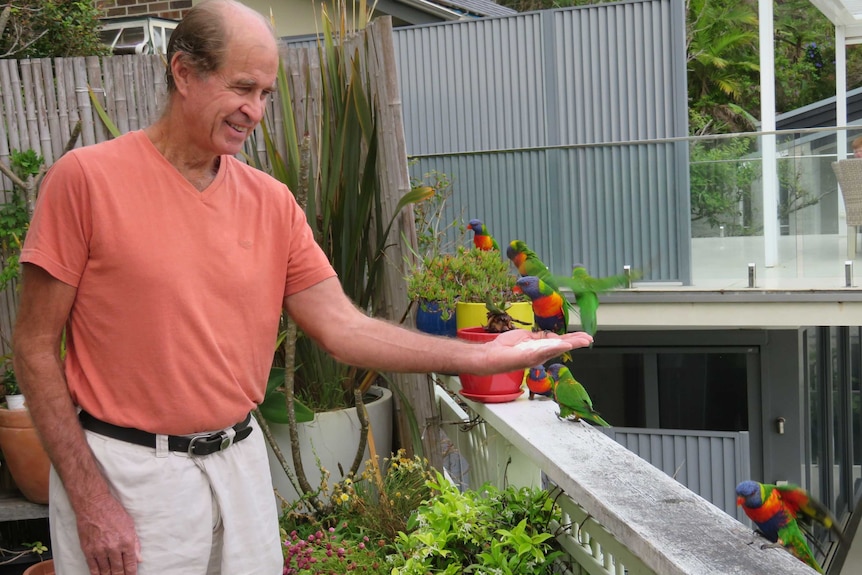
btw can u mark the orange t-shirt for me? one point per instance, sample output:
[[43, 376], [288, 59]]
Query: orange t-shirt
[[179, 292]]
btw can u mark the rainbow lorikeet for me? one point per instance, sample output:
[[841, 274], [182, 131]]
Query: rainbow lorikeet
[[539, 382], [572, 397], [482, 239], [777, 511], [526, 260], [587, 289], [550, 308]]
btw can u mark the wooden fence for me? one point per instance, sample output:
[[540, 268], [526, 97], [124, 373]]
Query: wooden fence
[[42, 100]]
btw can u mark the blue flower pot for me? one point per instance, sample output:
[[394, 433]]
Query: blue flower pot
[[429, 321]]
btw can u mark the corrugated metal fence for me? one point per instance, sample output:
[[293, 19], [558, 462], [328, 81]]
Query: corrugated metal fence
[[710, 463], [554, 124], [555, 127]]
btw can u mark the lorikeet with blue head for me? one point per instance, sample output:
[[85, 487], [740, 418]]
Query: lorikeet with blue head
[[572, 397], [550, 308], [482, 239], [539, 382], [778, 510]]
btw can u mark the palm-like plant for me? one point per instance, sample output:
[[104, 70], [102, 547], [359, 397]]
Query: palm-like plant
[[334, 172]]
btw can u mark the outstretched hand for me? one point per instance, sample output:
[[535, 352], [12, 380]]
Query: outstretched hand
[[519, 348]]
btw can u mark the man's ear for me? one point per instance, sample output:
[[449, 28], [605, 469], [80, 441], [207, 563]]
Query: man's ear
[[181, 72]]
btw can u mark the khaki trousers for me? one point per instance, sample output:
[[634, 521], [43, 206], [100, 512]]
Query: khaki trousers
[[210, 515]]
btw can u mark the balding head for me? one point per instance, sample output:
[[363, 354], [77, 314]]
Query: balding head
[[203, 37]]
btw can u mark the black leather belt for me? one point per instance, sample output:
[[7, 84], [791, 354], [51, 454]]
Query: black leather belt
[[203, 444]]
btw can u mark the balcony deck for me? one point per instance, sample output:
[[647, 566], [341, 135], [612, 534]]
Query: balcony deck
[[807, 287]]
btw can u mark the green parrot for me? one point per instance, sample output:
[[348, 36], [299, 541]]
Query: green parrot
[[527, 262], [779, 512], [572, 397], [482, 239], [587, 289]]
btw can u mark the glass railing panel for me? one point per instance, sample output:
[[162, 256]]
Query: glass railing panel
[[727, 198]]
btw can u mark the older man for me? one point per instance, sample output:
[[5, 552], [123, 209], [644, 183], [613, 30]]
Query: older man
[[169, 262]]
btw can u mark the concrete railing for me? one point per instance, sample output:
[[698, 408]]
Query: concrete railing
[[626, 516]]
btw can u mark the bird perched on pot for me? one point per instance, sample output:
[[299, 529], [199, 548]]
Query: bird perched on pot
[[539, 382], [572, 397], [778, 510], [482, 239]]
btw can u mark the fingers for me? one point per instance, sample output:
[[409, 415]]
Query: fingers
[[113, 564]]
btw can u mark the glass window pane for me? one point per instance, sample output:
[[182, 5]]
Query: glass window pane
[[703, 391]]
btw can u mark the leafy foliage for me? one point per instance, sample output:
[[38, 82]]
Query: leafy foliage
[[344, 204], [468, 275], [488, 531], [52, 29], [14, 218], [721, 178], [363, 517]]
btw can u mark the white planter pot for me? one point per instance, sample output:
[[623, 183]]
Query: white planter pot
[[15, 401], [333, 437]]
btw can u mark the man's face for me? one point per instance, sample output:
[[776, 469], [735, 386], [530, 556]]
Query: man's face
[[857, 152], [224, 107]]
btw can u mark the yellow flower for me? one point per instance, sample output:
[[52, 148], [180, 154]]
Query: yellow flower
[[344, 497]]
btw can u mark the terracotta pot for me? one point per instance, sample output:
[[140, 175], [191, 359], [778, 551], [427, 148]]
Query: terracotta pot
[[41, 568], [28, 463], [495, 388]]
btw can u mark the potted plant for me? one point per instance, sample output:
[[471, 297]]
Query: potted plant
[[429, 291], [14, 397], [340, 181], [498, 387], [22, 448], [483, 276], [433, 288]]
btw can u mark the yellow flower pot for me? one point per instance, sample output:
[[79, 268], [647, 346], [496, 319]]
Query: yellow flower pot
[[475, 314]]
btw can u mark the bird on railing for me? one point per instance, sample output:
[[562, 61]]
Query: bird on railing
[[572, 397], [778, 510], [482, 239], [539, 382]]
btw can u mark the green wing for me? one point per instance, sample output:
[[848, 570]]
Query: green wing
[[570, 394], [792, 538], [581, 282]]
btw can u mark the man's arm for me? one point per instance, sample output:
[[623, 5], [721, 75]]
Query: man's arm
[[106, 531], [328, 316]]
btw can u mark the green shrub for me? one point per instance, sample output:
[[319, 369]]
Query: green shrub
[[52, 29]]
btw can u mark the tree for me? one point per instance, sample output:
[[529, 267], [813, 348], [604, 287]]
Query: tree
[[50, 29], [723, 66]]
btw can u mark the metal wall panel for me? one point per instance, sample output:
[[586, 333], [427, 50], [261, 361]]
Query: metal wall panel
[[594, 96], [710, 463]]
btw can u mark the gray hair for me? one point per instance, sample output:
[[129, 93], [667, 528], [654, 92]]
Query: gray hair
[[201, 38]]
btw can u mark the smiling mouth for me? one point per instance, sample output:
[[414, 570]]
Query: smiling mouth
[[236, 127]]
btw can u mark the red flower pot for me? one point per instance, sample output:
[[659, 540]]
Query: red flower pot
[[496, 388]]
